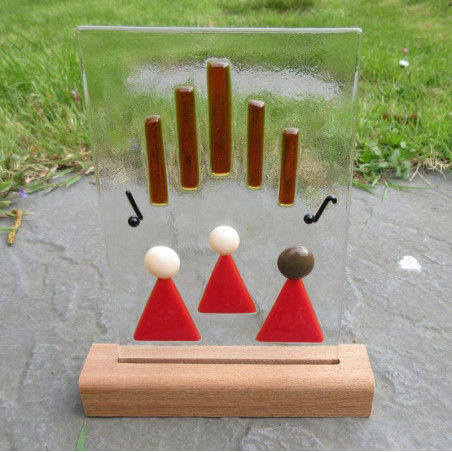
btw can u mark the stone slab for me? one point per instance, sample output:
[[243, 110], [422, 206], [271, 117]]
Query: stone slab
[[53, 305]]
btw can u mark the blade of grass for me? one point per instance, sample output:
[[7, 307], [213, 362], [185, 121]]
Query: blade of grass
[[401, 187], [365, 187], [81, 438]]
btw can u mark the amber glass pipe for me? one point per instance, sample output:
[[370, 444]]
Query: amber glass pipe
[[188, 141], [256, 116], [158, 186], [289, 157], [219, 91]]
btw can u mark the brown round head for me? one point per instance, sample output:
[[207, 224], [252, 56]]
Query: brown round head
[[296, 262]]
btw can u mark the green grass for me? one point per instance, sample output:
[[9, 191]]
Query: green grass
[[81, 438], [405, 114]]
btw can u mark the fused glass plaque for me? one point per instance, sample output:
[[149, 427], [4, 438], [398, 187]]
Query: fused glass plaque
[[224, 160]]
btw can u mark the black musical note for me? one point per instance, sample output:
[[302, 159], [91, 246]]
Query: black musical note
[[134, 221], [309, 218]]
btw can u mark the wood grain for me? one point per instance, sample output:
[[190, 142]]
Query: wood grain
[[111, 388]]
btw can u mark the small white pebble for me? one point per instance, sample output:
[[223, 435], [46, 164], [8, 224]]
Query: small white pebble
[[162, 262], [224, 240], [410, 263], [404, 63]]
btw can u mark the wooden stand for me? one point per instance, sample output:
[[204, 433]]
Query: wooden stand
[[217, 381]]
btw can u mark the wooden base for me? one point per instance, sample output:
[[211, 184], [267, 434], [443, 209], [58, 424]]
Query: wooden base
[[247, 382]]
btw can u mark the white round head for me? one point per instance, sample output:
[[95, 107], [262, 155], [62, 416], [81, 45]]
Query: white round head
[[224, 240], [162, 262]]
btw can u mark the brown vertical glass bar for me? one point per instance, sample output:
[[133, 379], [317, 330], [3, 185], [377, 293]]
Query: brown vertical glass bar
[[289, 159], [158, 187], [188, 141], [256, 116], [219, 89]]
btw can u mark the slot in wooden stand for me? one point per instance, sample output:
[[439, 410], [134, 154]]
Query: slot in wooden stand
[[217, 381]]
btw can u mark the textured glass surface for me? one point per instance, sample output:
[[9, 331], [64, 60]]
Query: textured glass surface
[[307, 80]]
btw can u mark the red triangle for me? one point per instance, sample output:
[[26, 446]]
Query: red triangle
[[292, 317], [165, 316], [226, 292]]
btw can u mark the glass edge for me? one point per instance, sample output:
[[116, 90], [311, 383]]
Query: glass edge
[[81, 28]]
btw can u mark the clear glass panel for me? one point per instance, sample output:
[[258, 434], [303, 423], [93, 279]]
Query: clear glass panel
[[302, 83]]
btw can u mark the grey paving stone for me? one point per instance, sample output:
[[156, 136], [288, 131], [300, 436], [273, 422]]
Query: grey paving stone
[[53, 305]]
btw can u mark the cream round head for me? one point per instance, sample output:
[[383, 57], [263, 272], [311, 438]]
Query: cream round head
[[224, 240], [162, 262]]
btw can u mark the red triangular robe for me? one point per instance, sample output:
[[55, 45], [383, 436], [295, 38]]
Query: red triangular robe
[[165, 316], [292, 317], [226, 292]]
